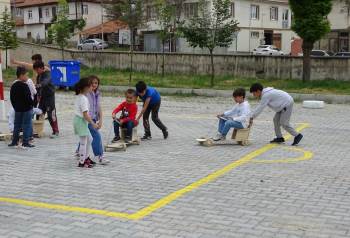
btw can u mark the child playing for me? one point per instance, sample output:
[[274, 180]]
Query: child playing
[[22, 104], [237, 117], [151, 103], [127, 120], [280, 102], [46, 95], [95, 113], [81, 121]]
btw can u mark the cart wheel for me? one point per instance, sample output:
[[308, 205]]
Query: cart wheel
[[245, 143], [66, 88]]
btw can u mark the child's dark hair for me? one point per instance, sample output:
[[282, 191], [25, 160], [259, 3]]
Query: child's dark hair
[[37, 57], [83, 83], [38, 65], [21, 71], [239, 92], [93, 77], [141, 86], [130, 91], [256, 87]]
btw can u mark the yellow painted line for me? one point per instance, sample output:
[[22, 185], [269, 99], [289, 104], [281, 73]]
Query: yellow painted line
[[162, 202], [307, 155]]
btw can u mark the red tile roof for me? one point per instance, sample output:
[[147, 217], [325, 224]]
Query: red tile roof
[[108, 27]]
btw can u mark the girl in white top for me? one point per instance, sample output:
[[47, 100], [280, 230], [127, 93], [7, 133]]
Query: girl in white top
[[237, 117], [81, 121]]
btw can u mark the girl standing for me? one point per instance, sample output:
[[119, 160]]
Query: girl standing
[[95, 113], [81, 121]]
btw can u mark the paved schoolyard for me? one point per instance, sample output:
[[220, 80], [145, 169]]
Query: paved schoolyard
[[175, 188]]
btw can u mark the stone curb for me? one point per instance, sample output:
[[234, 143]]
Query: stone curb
[[328, 98]]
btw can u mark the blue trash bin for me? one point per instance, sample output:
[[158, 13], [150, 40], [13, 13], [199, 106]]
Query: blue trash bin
[[64, 73]]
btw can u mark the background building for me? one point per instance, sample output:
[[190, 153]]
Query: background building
[[260, 22], [34, 17], [3, 4]]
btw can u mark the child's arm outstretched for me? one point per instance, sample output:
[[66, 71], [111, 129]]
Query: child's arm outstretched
[[144, 108], [89, 120]]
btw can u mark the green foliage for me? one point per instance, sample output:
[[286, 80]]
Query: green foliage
[[166, 17], [61, 30], [8, 37], [310, 18], [129, 11], [213, 27]]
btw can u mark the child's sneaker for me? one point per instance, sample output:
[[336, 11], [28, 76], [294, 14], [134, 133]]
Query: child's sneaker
[[146, 137], [86, 164], [219, 137], [116, 139], [103, 161], [28, 145], [54, 135], [12, 145], [127, 139], [165, 134], [90, 161]]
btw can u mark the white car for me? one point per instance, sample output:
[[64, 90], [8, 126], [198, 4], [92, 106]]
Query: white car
[[267, 50], [92, 44]]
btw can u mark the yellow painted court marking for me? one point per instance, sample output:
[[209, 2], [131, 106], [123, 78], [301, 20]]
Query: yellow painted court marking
[[307, 155], [167, 199]]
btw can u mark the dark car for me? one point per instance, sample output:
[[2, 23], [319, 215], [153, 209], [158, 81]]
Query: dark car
[[342, 54]]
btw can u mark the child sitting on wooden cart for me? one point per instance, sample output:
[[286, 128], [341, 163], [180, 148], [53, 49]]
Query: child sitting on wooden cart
[[237, 117], [127, 119]]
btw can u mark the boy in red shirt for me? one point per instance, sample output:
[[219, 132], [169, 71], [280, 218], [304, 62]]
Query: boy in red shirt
[[127, 119]]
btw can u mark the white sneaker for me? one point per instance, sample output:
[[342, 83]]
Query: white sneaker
[[219, 137], [103, 161]]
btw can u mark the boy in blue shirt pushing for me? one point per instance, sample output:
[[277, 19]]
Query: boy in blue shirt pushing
[[151, 103]]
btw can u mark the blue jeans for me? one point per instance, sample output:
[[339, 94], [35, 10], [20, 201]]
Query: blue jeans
[[96, 144], [226, 125], [23, 120], [129, 126]]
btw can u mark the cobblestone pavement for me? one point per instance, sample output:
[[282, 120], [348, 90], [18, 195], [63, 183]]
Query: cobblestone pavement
[[309, 198]]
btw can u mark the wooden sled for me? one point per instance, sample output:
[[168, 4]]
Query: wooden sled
[[5, 137], [122, 145], [38, 127], [241, 136]]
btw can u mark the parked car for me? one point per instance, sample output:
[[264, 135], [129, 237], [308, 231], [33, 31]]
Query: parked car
[[267, 50], [342, 54], [92, 44], [320, 53]]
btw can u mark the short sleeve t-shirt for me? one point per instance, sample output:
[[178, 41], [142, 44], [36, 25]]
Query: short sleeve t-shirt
[[81, 105], [153, 94]]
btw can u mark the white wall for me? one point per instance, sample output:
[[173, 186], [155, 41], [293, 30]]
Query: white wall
[[339, 17]]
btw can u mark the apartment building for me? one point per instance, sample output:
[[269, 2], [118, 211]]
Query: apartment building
[[34, 17], [3, 4], [260, 22], [339, 37]]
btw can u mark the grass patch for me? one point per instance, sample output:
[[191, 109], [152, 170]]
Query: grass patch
[[113, 77]]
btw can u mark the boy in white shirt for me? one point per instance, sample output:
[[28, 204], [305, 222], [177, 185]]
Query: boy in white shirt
[[237, 117]]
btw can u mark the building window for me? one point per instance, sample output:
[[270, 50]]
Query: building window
[[85, 9], [232, 9], [285, 15], [254, 12], [151, 13], [254, 35], [19, 12], [191, 9], [30, 14], [47, 12], [54, 12], [274, 13]]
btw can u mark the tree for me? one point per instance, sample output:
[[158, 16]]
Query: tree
[[8, 38], [212, 27], [130, 12], [311, 24], [166, 15], [62, 29]]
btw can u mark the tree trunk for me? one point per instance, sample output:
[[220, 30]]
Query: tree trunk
[[307, 48], [5, 58], [131, 54], [62, 52], [212, 68], [163, 58]]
